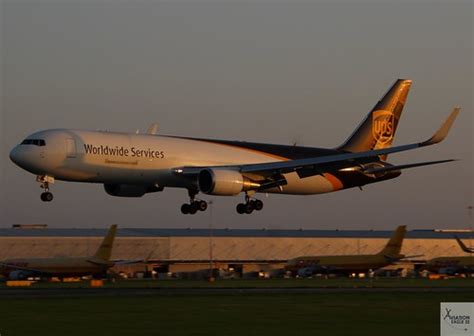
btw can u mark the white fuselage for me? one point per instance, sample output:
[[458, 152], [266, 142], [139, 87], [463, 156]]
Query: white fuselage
[[143, 159]]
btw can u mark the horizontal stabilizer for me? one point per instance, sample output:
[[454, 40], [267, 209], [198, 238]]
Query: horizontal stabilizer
[[412, 256], [401, 257], [129, 262], [376, 170], [98, 261], [393, 259], [135, 261]]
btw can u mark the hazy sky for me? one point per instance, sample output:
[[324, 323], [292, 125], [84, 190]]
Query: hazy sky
[[268, 71]]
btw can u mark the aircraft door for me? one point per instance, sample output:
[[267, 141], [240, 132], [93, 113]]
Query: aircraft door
[[70, 148]]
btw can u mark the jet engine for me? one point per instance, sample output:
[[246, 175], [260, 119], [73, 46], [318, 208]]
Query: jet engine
[[450, 270], [18, 275], [306, 271], [129, 190], [224, 182]]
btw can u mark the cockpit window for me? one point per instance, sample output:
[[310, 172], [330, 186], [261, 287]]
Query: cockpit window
[[36, 142]]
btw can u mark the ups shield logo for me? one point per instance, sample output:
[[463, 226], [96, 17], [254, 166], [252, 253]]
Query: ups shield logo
[[383, 125]]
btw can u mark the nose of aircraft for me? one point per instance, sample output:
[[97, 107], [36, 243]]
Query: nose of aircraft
[[23, 158], [15, 155], [20, 157]]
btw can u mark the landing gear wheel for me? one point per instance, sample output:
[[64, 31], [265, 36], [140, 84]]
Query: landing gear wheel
[[248, 207], [47, 196], [240, 208], [193, 208], [194, 204], [201, 205], [45, 181], [258, 205], [185, 208]]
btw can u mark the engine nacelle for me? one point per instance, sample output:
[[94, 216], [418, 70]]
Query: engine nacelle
[[125, 190], [306, 272], [18, 275], [224, 182], [449, 270]]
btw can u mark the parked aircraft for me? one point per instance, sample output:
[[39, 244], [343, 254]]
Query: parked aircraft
[[132, 165], [452, 265], [348, 264], [61, 267]]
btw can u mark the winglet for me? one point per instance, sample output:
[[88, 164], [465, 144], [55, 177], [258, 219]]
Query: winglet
[[443, 131]]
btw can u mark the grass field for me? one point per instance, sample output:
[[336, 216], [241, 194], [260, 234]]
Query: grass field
[[356, 312], [255, 314]]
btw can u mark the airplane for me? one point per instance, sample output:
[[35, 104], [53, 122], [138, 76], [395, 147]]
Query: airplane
[[132, 165], [452, 265], [61, 267], [347, 264]]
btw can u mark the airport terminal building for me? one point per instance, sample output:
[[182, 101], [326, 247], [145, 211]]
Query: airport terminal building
[[244, 250]]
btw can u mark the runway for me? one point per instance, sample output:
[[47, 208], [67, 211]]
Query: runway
[[97, 292]]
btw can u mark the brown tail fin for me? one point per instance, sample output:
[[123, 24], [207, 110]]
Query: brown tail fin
[[377, 130]]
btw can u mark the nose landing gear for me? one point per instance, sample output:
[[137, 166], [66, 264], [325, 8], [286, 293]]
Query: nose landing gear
[[47, 196], [249, 206], [45, 181], [194, 205]]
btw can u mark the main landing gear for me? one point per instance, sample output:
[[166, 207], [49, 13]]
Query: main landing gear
[[194, 205], [45, 181], [249, 206]]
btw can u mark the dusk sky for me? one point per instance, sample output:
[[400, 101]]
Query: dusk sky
[[265, 71]]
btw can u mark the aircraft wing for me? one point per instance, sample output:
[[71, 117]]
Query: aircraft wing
[[282, 167]]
